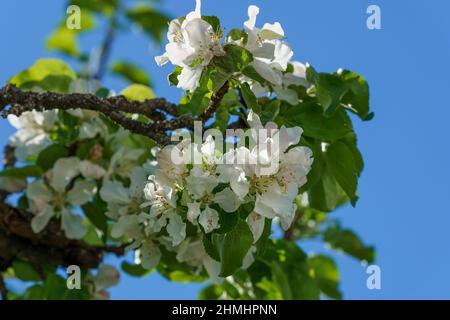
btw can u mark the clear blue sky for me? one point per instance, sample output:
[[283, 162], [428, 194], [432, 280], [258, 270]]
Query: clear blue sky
[[404, 189]]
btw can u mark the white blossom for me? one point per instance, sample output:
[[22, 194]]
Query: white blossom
[[33, 129], [46, 200], [192, 44]]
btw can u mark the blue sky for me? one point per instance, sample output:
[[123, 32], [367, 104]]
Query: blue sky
[[404, 188]]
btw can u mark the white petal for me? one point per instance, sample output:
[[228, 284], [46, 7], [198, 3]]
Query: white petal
[[138, 181], [209, 219], [213, 269], [249, 258], [176, 229], [63, 172], [107, 276], [282, 55], [40, 221], [227, 200], [115, 192], [253, 12], [126, 226], [287, 95], [254, 121], [193, 211], [189, 79], [162, 60], [81, 192], [256, 223], [91, 170], [272, 31], [150, 255], [38, 190], [267, 72], [72, 225]]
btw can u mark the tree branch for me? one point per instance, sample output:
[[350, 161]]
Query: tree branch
[[22, 101]]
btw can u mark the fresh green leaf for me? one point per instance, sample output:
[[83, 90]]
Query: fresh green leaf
[[138, 92], [326, 274], [151, 21], [235, 246], [340, 160], [130, 72], [347, 241], [23, 172], [47, 157]]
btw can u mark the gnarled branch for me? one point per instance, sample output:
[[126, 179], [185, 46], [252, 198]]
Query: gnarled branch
[[113, 107]]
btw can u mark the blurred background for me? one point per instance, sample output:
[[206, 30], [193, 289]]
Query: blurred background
[[404, 189]]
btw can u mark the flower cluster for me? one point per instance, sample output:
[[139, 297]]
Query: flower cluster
[[196, 184], [193, 43]]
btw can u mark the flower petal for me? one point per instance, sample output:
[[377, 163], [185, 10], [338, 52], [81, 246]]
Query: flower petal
[[64, 171], [72, 225], [40, 221], [81, 192], [209, 219]]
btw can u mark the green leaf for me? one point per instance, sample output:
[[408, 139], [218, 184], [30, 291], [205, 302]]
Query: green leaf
[[290, 271], [211, 292], [135, 270], [236, 34], [130, 72], [23, 172], [326, 274], [270, 111], [347, 241], [229, 101], [173, 77], [310, 117], [24, 271], [222, 68], [214, 22], [235, 247], [151, 21], [249, 97], [104, 6], [64, 40], [47, 157], [357, 98], [326, 194], [340, 160], [49, 74], [212, 245], [95, 211], [138, 92]]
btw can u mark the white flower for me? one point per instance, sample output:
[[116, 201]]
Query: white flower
[[209, 219], [227, 200], [192, 44], [149, 254], [192, 252], [46, 200], [271, 55], [123, 162], [200, 183], [107, 276], [124, 201], [161, 196], [270, 172], [165, 160], [32, 134]]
